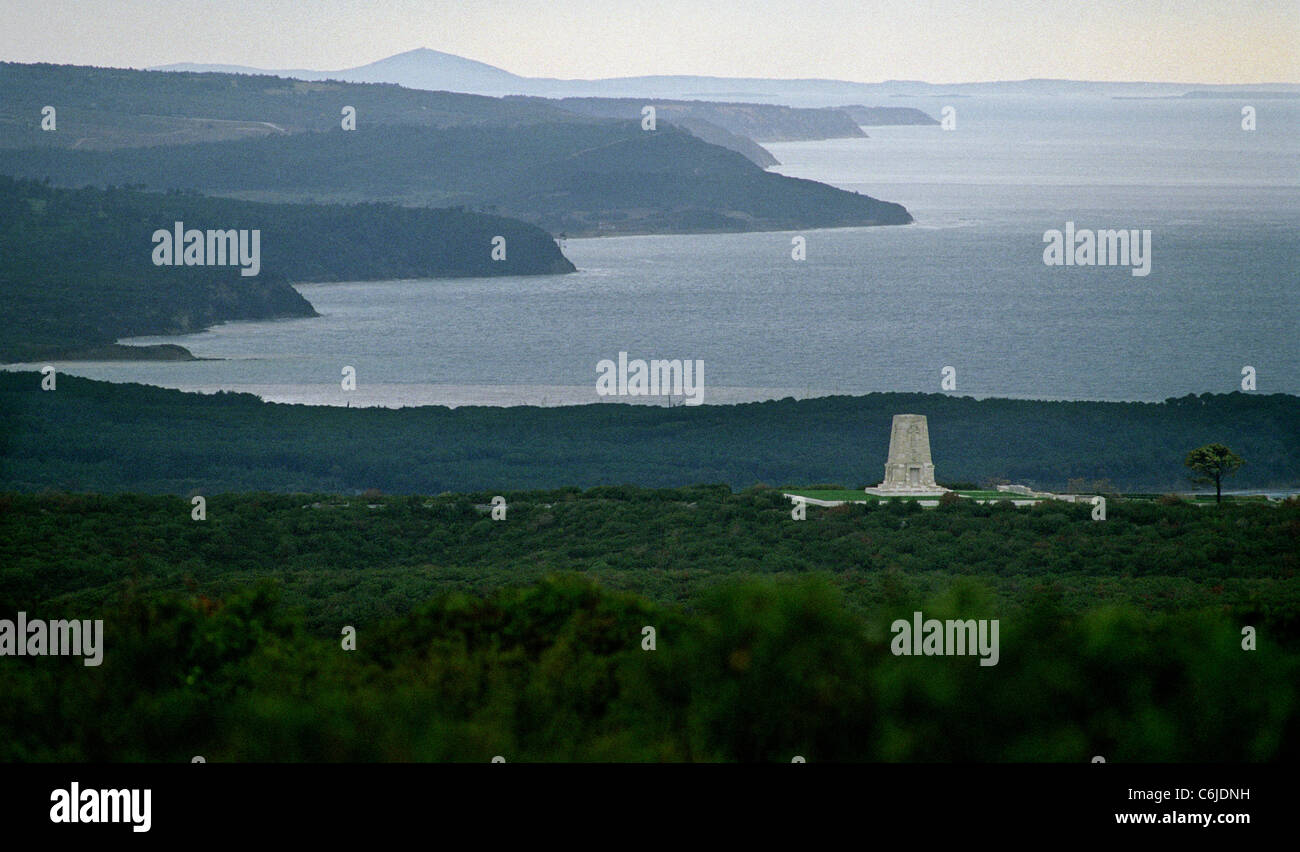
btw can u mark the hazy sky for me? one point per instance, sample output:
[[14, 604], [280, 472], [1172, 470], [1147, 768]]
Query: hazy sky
[[1200, 41]]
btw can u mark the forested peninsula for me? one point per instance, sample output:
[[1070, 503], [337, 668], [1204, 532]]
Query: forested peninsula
[[280, 140], [78, 269]]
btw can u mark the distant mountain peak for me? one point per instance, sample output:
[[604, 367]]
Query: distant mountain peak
[[430, 53], [428, 68]]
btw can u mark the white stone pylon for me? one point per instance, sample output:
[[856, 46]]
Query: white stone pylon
[[909, 472]]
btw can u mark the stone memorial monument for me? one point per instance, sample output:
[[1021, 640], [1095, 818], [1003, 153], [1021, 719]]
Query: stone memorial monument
[[909, 472]]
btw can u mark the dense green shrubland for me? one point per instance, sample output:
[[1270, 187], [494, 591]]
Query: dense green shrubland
[[523, 637]]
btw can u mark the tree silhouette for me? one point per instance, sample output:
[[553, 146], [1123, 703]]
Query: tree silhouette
[[1211, 463]]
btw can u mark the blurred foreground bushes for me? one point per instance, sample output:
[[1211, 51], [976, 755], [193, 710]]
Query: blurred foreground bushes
[[758, 670]]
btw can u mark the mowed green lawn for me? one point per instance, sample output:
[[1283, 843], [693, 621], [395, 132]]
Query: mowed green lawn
[[854, 495], [828, 494], [849, 494]]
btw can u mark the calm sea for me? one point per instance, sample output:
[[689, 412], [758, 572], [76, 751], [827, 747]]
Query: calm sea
[[870, 309]]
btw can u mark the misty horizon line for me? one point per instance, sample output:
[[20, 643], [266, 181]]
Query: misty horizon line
[[235, 67]]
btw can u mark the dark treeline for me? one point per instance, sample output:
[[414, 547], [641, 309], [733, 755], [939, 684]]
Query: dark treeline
[[96, 436], [76, 266]]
